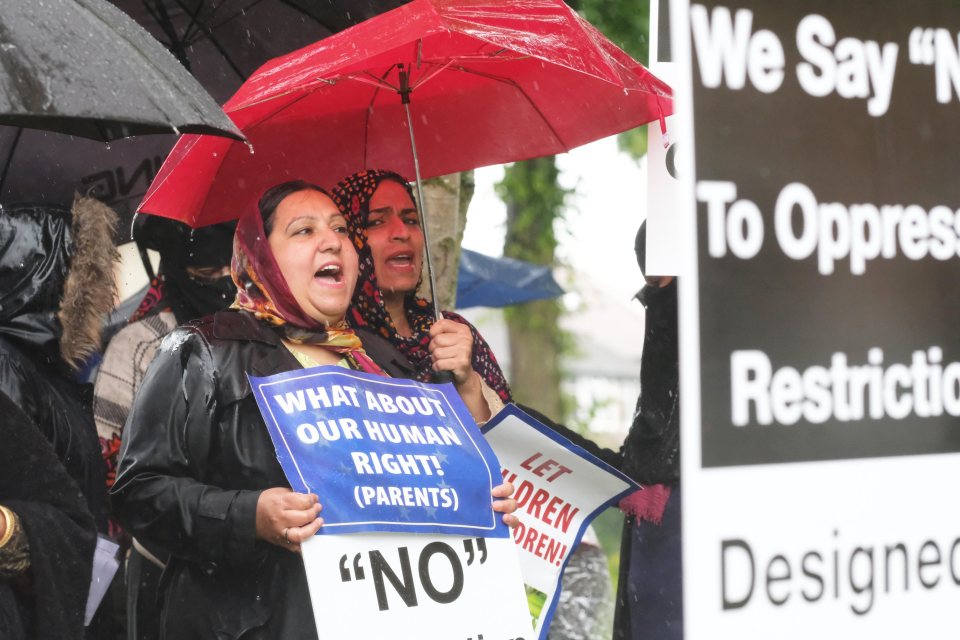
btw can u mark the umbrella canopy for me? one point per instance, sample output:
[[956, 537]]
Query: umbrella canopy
[[221, 42], [84, 68], [488, 81], [483, 281]]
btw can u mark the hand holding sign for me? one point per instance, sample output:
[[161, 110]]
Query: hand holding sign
[[286, 518], [507, 505]]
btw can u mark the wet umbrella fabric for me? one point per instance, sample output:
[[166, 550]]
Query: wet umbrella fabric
[[220, 42], [484, 281], [489, 82], [84, 68]]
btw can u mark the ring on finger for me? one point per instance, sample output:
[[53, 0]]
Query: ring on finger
[[285, 538]]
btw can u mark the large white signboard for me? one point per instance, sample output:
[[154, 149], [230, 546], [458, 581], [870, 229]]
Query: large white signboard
[[416, 587], [820, 351]]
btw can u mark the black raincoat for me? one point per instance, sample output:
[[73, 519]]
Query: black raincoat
[[649, 598], [196, 455], [59, 531], [34, 259]]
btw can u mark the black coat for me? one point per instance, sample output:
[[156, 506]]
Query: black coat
[[196, 455], [59, 530], [34, 260], [40, 472], [40, 385]]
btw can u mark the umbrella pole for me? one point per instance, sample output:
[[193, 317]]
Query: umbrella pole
[[405, 98]]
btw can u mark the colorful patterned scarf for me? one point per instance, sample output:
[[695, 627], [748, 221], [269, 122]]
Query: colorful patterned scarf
[[263, 291], [352, 195]]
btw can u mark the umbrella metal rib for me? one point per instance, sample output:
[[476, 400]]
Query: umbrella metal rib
[[405, 98], [404, 90]]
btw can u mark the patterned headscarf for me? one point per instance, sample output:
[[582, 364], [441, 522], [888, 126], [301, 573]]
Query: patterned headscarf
[[352, 195], [262, 290]]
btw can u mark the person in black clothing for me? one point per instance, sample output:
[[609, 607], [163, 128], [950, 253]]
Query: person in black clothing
[[56, 275], [193, 281], [649, 596], [199, 476], [47, 536]]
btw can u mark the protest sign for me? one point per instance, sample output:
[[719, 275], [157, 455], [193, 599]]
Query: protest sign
[[416, 587], [820, 358], [559, 489], [665, 235], [383, 454]]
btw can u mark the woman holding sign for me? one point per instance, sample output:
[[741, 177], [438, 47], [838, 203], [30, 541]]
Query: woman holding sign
[[385, 227], [198, 474]]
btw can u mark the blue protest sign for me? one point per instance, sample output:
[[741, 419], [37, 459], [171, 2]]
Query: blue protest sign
[[383, 454]]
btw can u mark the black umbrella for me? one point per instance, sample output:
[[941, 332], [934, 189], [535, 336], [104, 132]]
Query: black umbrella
[[220, 42], [84, 68]]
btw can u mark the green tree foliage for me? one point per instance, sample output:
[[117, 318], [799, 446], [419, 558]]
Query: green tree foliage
[[627, 24], [534, 201]]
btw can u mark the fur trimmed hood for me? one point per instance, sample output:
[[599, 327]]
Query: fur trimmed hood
[[56, 277], [90, 290]]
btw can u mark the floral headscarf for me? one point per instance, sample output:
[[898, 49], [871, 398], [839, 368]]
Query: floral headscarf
[[352, 195], [263, 291]]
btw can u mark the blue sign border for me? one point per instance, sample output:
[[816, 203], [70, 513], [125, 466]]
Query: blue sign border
[[445, 393]]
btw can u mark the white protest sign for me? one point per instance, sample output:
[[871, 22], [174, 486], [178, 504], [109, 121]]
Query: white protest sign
[[416, 587], [820, 358], [559, 489], [665, 233]]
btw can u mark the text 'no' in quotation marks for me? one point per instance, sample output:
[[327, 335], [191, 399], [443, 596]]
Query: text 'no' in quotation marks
[[404, 583]]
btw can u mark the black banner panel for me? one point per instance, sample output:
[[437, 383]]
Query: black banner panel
[[828, 228]]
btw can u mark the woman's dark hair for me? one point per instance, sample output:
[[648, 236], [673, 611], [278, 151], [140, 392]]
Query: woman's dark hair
[[393, 176], [273, 196]]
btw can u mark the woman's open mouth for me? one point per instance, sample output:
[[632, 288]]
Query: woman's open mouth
[[402, 261], [330, 274]]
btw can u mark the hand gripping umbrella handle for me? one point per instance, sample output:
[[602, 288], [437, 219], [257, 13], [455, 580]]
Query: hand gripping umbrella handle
[[443, 377]]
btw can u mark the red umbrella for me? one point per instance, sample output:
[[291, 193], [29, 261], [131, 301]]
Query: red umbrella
[[489, 81], [492, 81]]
